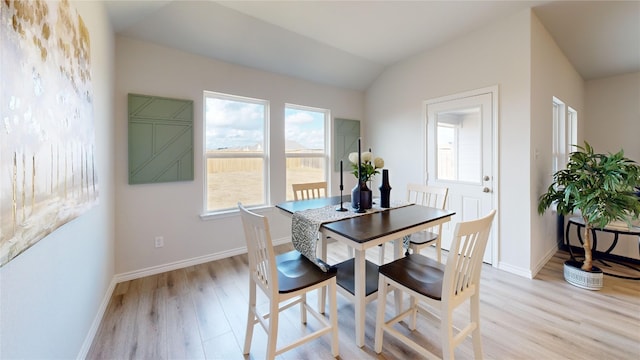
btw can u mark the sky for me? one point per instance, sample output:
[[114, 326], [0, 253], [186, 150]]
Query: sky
[[233, 124]]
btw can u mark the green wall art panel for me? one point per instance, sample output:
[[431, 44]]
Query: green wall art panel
[[346, 135], [160, 139]]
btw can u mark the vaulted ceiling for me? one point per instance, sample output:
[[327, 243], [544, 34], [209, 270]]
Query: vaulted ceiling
[[349, 43]]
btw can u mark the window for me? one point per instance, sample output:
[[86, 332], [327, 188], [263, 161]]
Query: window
[[565, 133], [305, 145], [572, 129], [236, 156], [559, 156]]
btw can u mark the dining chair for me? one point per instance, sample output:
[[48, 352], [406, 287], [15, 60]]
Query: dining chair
[[312, 190], [442, 287], [285, 279], [425, 195]]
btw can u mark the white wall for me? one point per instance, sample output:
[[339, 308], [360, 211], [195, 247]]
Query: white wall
[[50, 294], [612, 117], [612, 122], [173, 209], [551, 75], [495, 55]]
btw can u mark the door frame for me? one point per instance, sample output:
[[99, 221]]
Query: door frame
[[495, 149]]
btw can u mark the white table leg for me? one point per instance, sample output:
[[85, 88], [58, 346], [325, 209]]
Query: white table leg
[[322, 254], [360, 292], [397, 254]]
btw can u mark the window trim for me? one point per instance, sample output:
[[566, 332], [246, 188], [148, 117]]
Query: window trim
[[564, 133], [266, 158], [326, 155]]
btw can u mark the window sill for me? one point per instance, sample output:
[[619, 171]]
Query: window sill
[[262, 210]]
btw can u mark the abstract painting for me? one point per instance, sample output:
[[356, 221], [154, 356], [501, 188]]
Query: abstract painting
[[47, 138]]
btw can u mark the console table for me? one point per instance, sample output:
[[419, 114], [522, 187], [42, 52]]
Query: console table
[[615, 230]]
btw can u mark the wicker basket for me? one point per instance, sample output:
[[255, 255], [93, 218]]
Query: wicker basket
[[590, 280]]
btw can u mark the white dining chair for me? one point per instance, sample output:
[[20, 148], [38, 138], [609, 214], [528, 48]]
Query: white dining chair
[[433, 196], [425, 195], [442, 287], [313, 190], [285, 279]]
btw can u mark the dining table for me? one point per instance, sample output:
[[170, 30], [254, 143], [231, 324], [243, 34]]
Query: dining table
[[357, 277]]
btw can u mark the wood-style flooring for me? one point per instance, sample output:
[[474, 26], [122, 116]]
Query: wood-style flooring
[[199, 312]]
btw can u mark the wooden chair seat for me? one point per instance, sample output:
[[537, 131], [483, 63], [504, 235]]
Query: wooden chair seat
[[423, 237], [296, 272], [417, 272]]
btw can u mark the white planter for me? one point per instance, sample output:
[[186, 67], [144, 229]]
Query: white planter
[[590, 280]]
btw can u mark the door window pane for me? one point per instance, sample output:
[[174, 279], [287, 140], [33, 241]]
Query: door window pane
[[459, 141]]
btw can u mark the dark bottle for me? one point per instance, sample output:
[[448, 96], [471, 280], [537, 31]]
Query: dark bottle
[[385, 189]]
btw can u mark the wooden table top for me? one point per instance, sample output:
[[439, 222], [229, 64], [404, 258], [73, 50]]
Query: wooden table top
[[372, 225]]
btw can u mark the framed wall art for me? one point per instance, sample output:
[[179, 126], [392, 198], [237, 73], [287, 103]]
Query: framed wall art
[[47, 137]]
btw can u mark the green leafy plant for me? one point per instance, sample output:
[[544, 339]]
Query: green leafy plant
[[601, 186]]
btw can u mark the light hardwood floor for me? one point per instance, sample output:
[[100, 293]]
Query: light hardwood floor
[[200, 312]]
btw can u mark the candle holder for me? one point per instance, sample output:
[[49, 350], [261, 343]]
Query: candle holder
[[341, 208], [361, 208]]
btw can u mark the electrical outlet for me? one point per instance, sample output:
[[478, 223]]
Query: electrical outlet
[[159, 241]]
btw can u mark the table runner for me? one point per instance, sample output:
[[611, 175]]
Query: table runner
[[305, 226]]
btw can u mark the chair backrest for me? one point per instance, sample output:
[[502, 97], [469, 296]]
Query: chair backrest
[[426, 195], [464, 262], [262, 265], [309, 190]]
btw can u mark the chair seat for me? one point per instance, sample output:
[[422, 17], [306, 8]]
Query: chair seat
[[423, 237], [417, 272], [346, 276], [296, 272]]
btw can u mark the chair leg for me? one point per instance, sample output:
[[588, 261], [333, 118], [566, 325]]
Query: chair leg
[[274, 314], [382, 304], [439, 248], [446, 330], [303, 309], [475, 318], [413, 305], [333, 308], [251, 318], [381, 254]]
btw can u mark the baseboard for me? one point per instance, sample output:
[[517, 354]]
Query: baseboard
[[544, 261], [515, 270], [529, 273], [95, 325], [118, 278]]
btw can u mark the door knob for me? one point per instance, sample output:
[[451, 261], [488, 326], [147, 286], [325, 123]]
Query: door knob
[[486, 178], [486, 189]]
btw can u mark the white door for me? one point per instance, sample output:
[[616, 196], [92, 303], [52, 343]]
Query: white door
[[460, 155]]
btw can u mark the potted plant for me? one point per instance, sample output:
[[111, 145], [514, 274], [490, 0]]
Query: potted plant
[[602, 188], [369, 167]]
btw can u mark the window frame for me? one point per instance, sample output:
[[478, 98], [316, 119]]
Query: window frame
[[565, 134], [265, 156], [326, 155]]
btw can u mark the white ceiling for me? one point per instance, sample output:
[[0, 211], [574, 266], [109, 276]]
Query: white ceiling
[[349, 43]]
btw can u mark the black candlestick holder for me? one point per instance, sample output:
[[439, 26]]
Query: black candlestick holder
[[341, 208]]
